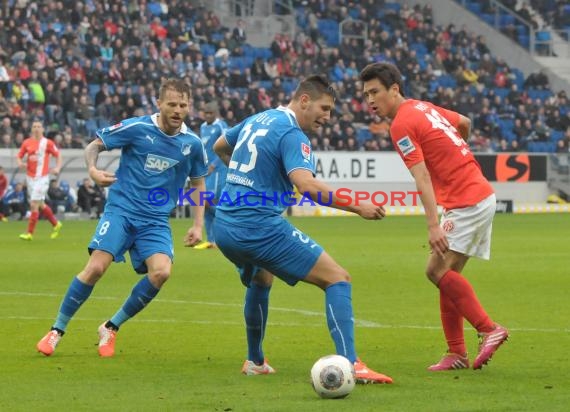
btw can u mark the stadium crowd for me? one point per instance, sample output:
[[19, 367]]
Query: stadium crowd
[[80, 66]]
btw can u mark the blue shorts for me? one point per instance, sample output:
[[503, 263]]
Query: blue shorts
[[116, 234], [276, 246], [215, 182]]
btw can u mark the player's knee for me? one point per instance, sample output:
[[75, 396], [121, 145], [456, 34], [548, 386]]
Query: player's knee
[[433, 275], [340, 275], [93, 272], [159, 276]]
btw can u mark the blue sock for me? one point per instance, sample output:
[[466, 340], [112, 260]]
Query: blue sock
[[255, 311], [77, 293], [340, 319], [209, 215], [142, 294]]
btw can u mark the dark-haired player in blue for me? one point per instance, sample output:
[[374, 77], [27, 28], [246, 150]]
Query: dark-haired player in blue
[[267, 153], [212, 128], [158, 154]]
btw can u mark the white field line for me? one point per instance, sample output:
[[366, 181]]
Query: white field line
[[358, 322]]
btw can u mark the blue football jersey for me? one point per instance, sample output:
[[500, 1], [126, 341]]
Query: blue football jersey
[[209, 133], [153, 166], [267, 147]]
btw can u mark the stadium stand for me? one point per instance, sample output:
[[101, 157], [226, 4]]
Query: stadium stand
[[84, 65]]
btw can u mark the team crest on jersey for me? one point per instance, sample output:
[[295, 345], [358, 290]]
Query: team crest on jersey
[[157, 164], [405, 145], [448, 226], [306, 151], [186, 149]]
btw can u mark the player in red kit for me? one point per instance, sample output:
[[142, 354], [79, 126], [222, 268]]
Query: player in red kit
[[431, 142], [3, 187], [37, 150]]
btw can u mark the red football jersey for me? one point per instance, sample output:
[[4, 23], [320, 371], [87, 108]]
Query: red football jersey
[[3, 185], [38, 152], [422, 131]]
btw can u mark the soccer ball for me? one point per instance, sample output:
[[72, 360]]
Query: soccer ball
[[333, 376]]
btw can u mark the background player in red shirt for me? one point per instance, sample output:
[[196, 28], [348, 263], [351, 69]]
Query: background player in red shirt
[[3, 187], [37, 150], [431, 141]]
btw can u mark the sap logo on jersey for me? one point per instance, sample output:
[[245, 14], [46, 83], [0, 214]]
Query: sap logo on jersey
[[158, 164]]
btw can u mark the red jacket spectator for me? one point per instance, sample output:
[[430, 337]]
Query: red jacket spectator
[[76, 69], [157, 27]]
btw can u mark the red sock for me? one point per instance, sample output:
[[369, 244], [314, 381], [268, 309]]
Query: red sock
[[34, 216], [47, 212], [452, 323], [460, 291]]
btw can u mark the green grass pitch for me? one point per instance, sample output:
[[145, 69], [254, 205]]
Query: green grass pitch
[[185, 350]]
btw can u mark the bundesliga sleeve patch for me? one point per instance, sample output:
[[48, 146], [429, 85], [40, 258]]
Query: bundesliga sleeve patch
[[405, 145], [114, 127]]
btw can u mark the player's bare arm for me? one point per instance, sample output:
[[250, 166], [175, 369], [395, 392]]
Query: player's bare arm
[[100, 177], [437, 240], [464, 127], [58, 164], [307, 184], [223, 150], [194, 234], [20, 162]]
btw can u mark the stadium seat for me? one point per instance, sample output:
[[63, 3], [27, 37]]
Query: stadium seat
[[506, 20], [519, 78], [542, 147], [363, 134], [289, 86], [354, 12], [524, 41], [489, 19], [154, 8], [393, 6], [556, 135], [91, 127], [522, 30], [506, 125], [474, 8], [502, 92], [447, 81], [207, 49], [93, 89], [539, 94], [420, 48]]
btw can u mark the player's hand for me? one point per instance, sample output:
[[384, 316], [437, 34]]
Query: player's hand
[[193, 237], [370, 211], [438, 241], [102, 178], [55, 171]]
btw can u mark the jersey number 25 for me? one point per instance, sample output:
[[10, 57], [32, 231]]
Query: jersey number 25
[[248, 137]]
